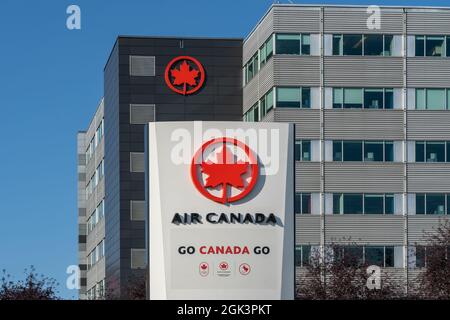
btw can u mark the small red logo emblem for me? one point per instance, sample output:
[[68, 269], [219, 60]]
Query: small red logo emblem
[[223, 266], [244, 269], [224, 170], [184, 75], [203, 269]]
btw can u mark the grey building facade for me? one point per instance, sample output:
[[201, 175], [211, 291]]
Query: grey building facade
[[135, 93], [371, 102]]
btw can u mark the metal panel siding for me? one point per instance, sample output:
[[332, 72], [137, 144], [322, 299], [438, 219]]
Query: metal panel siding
[[428, 72], [250, 94], [258, 37], [250, 47], [265, 77], [428, 22], [419, 227], [142, 113], [307, 229], [269, 117], [295, 19], [362, 229], [142, 66], [428, 125], [347, 71], [428, 177], [354, 20], [363, 177], [292, 70], [307, 121], [363, 124], [307, 177]]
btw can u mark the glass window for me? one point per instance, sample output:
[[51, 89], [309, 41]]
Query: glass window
[[298, 150], [388, 44], [353, 255], [448, 46], [306, 203], [435, 99], [435, 151], [373, 151], [298, 203], [448, 203], [306, 255], [374, 256], [250, 70], [420, 46], [269, 48], [420, 257], [389, 204], [389, 256], [420, 151], [337, 150], [338, 97], [306, 150], [373, 203], [298, 256], [288, 44], [353, 204], [373, 98], [388, 151], [389, 98], [435, 203], [448, 90], [353, 98], [420, 98], [373, 45], [435, 46], [352, 150], [306, 44], [255, 112], [306, 98], [337, 45], [448, 151], [288, 97], [420, 203], [269, 100], [338, 203], [352, 44], [263, 54]]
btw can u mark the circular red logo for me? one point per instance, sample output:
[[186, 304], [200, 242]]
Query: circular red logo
[[224, 170], [184, 75]]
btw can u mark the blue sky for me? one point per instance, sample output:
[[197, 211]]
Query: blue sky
[[51, 80]]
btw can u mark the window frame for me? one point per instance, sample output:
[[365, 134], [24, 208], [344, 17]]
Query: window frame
[[342, 210]]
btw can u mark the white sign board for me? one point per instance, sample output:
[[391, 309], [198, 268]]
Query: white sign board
[[221, 201]]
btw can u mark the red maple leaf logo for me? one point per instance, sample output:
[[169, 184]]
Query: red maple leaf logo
[[225, 171], [204, 266], [184, 75]]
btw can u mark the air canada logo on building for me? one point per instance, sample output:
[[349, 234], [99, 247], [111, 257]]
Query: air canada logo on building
[[224, 170], [184, 75]]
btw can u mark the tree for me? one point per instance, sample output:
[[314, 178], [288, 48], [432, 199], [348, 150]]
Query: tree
[[340, 274], [33, 287], [434, 280]]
